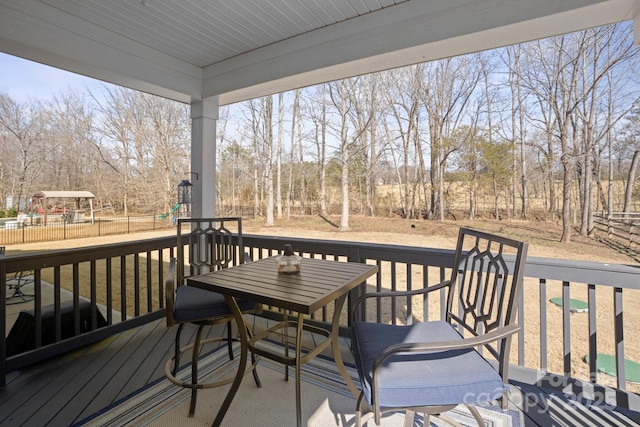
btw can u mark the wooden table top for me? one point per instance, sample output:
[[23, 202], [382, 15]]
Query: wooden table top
[[319, 282]]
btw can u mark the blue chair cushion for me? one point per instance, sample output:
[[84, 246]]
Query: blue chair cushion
[[193, 304], [437, 378]]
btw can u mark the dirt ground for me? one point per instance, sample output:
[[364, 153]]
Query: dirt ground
[[543, 238]]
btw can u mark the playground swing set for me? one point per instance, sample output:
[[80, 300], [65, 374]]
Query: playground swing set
[[65, 204]]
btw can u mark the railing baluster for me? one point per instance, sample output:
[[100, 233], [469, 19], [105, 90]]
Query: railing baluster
[[593, 333], [522, 324], [57, 300], [37, 288], [149, 284], [409, 287], [378, 289], [161, 277], [136, 284], [619, 336], [76, 298], [543, 324], [566, 329], [123, 287], [393, 288], [425, 299], [443, 296], [94, 296], [109, 290]]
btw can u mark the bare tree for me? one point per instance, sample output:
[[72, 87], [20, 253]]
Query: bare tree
[[317, 108], [267, 115], [630, 142], [279, 154], [402, 90], [447, 90], [166, 142], [339, 93], [117, 148], [352, 104], [23, 126], [518, 124], [295, 120]]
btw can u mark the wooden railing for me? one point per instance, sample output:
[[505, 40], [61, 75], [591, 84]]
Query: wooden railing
[[619, 230], [134, 272], [123, 281]]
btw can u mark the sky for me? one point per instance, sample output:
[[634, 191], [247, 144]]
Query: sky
[[25, 80]]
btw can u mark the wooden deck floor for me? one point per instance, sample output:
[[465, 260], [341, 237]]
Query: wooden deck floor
[[67, 389]]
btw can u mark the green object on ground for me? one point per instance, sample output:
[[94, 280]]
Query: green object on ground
[[575, 305], [606, 363], [166, 214]]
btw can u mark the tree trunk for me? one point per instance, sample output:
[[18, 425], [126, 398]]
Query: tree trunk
[[631, 178]]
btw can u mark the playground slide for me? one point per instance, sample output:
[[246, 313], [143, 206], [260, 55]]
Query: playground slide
[[166, 214]]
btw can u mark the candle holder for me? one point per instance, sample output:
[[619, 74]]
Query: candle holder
[[288, 263]]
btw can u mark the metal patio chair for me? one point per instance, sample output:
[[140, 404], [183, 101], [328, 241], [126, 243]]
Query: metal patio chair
[[19, 280], [204, 245], [431, 367]]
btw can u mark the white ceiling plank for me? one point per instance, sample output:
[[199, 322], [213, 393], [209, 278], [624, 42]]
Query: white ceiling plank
[[399, 39]]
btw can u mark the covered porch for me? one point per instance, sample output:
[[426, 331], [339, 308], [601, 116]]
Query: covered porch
[[212, 55]]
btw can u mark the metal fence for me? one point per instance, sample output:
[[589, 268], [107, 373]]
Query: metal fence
[[14, 232]]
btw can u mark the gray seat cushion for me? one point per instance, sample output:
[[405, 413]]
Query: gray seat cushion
[[438, 378], [193, 304]]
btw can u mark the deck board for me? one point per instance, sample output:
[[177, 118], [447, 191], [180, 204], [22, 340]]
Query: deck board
[[76, 385], [72, 387], [115, 378]]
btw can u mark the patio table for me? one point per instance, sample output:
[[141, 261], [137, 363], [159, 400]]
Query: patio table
[[319, 283]]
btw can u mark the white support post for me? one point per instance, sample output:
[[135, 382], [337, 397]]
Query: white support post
[[636, 29], [203, 157]]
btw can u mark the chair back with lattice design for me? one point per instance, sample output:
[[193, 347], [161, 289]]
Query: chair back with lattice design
[[485, 290], [207, 244]]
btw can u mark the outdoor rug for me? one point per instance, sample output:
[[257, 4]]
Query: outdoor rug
[[326, 401]]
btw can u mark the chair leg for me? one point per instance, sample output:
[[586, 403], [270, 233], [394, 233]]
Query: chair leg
[[229, 340], [176, 359], [475, 413], [195, 355], [408, 418], [256, 378], [358, 420]]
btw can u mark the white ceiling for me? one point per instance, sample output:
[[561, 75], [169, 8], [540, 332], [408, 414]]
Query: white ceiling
[[240, 49]]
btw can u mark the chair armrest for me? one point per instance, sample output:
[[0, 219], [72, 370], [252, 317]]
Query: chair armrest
[[464, 343], [170, 291], [391, 294]]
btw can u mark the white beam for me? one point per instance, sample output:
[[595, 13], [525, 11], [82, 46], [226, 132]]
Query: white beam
[[405, 34]]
